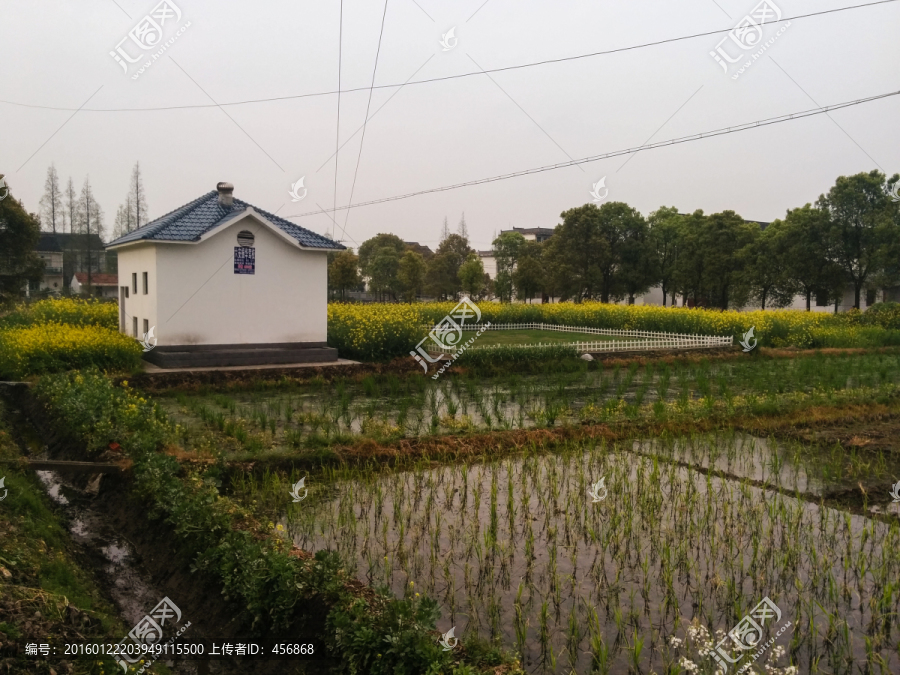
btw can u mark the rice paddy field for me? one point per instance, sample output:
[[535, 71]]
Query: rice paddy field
[[629, 554], [287, 419], [516, 549]]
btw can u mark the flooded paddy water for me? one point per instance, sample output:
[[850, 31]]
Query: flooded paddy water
[[529, 551], [317, 413]]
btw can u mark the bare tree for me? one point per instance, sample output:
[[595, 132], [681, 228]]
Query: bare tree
[[71, 209], [124, 222], [462, 230], [445, 230], [51, 202], [136, 202], [89, 221]]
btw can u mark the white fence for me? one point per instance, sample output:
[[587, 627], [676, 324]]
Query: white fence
[[644, 340]]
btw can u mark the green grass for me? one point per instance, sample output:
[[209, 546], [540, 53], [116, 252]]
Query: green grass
[[40, 573], [532, 337]]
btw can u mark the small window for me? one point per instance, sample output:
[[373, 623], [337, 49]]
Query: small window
[[134, 325], [145, 283], [134, 282], [126, 291], [146, 326], [821, 299], [870, 296], [245, 238]]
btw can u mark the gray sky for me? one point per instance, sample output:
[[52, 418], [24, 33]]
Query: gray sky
[[429, 135]]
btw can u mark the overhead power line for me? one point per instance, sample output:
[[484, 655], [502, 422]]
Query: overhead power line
[[452, 77], [616, 153]]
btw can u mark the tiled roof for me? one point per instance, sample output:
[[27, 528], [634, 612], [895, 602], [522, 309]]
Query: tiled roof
[[195, 218], [48, 243], [51, 242], [98, 279]]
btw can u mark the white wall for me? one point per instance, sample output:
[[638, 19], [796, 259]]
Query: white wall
[[138, 258], [196, 298]]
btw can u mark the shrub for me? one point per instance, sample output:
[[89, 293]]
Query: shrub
[[70, 311], [98, 413], [374, 332], [380, 332], [54, 347], [884, 314]]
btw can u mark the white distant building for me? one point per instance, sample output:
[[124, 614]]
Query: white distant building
[[222, 283], [99, 285]]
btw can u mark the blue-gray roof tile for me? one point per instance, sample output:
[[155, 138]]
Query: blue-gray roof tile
[[195, 218]]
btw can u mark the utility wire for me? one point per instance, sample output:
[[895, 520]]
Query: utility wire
[[337, 134], [366, 118], [455, 77], [616, 153]]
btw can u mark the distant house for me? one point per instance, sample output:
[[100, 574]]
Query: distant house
[[223, 282], [538, 234], [65, 254], [99, 285], [51, 254], [423, 251]]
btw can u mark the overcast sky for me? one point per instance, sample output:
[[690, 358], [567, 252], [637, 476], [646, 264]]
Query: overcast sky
[[57, 54]]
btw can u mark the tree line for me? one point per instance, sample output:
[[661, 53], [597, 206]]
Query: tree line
[[394, 270], [66, 210], [850, 237]]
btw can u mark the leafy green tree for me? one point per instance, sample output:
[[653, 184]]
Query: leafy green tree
[[805, 257], [575, 252], [863, 226], [765, 270], [528, 276], [384, 267], [343, 272], [19, 263], [471, 275], [411, 275], [506, 254], [379, 262], [636, 271], [664, 239], [708, 271], [442, 276]]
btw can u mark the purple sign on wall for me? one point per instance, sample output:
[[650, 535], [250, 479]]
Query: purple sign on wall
[[244, 260]]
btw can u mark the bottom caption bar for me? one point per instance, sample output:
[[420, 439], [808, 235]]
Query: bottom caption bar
[[200, 649]]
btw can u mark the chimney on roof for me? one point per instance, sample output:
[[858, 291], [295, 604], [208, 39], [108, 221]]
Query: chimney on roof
[[225, 190]]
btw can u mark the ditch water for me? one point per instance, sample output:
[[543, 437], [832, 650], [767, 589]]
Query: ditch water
[[536, 553], [113, 558]]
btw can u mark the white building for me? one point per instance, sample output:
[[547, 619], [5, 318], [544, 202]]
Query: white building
[[222, 282], [100, 286]]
